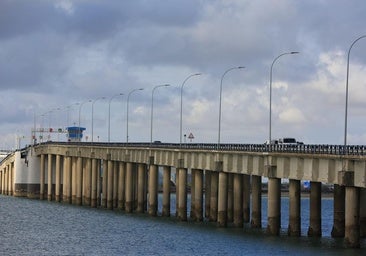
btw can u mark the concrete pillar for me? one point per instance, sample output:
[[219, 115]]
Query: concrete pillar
[[104, 184], [94, 180], [73, 180], [182, 195], [110, 184], [99, 182], [294, 226], [246, 198], [256, 221], [238, 200], [274, 206], [121, 185], [79, 180], [214, 196], [222, 200], [207, 193], [362, 212], [176, 191], [67, 180], [129, 187], [87, 180], [115, 184], [1, 181], [338, 211], [315, 228], [153, 189], [352, 221], [58, 178], [49, 177], [198, 195], [42, 178], [166, 191], [141, 181], [192, 192], [230, 197]]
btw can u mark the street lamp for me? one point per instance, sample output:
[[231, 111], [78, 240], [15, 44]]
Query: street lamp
[[92, 117], [181, 105], [81, 104], [109, 115], [270, 94], [346, 108], [128, 99], [152, 108], [222, 78]]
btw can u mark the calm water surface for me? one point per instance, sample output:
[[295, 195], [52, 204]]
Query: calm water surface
[[33, 227]]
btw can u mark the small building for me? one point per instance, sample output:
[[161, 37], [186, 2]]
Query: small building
[[75, 133]]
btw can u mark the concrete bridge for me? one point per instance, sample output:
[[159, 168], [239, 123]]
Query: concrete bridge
[[225, 187]]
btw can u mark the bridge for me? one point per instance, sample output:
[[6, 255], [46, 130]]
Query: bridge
[[226, 181]]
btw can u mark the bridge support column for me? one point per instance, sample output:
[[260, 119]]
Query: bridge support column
[[230, 197], [104, 184], [207, 193], [192, 192], [87, 182], [58, 179], [294, 226], [42, 178], [274, 206], [94, 181], [110, 184], [238, 200], [79, 180], [49, 177], [73, 180], [256, 221], [176, 191], [213, 196], [315, 229], [182, 195], [66, 198], [121, 185], [115, 184], [153, 189], [129, 187], [198, 195], [352, 221], [246, 198], [166, 191], [141, 189], [338, 211], [222, 200], [362, 212]]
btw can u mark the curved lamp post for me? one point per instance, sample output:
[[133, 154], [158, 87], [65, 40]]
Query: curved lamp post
[[270, 94], [222, 78], [152, 109], [92, 118], [346, 108], [128, 99], [109, 115], [181, 105], [81, 104]]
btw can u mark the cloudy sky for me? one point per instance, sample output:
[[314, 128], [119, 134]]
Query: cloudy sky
[[55, 56]]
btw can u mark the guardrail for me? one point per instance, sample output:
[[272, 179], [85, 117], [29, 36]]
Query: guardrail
[[358, 150]]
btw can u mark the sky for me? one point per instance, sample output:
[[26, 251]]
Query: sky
[[65, 62]]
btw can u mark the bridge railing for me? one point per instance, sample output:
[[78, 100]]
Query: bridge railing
[[280, 148]]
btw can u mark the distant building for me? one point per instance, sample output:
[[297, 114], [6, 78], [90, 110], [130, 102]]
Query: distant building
[[75, 133]]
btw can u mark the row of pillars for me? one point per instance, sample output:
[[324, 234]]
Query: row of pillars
[[7, 180], [215, 196]]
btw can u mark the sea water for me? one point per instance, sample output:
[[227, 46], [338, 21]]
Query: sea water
[[34, 227]]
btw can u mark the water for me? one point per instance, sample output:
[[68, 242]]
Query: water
[[33, 227]]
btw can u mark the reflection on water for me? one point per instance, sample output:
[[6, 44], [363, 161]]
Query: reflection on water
[[33, 227]]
